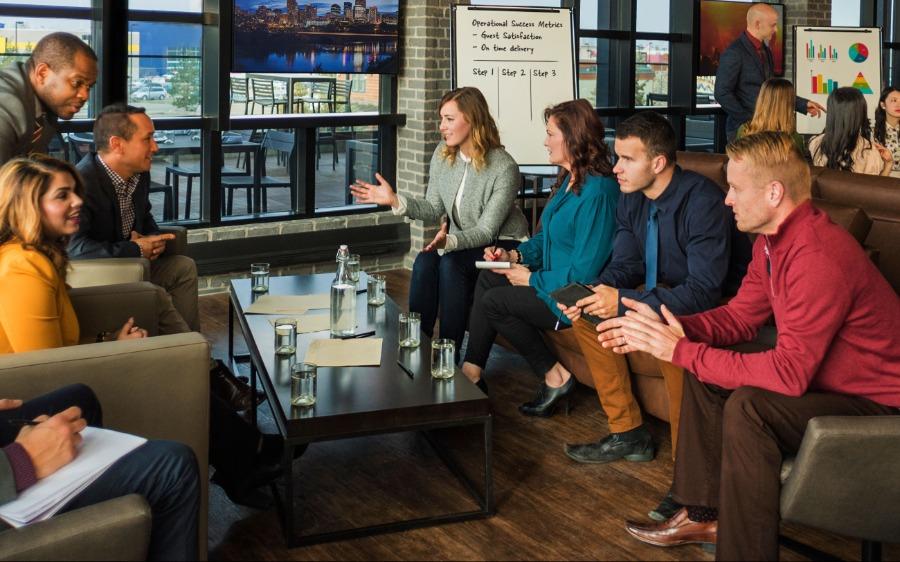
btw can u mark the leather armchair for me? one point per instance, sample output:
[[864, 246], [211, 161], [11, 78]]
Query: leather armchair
[[111, 271], [844, 479], [141, 394]]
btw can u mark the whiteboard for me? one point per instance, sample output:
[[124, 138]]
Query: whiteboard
[[833, 57], [522, 60]]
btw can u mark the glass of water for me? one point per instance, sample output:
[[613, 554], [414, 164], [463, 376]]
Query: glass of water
[[353, 267], [259, 277], [375, 287], [442, 355], [303, 384], [409, 329], [285, 336]]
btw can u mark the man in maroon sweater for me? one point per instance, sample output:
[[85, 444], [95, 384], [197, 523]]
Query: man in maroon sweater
[[837, 353]]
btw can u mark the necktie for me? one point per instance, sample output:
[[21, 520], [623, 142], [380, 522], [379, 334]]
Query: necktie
[[38, 131], [651, 248]]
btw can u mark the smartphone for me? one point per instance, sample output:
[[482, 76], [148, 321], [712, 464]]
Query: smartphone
[[571, 294]]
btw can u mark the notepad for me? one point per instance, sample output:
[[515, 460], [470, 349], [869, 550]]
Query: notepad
[[363, 352], [309, 323], [99, 450], [288, 304]]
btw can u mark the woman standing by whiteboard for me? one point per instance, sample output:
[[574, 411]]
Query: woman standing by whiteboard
[[473, 182]]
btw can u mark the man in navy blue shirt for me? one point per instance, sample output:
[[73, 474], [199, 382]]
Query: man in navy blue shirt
[[676, 244]]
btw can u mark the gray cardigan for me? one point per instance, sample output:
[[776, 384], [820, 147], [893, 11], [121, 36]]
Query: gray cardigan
[[487, 210]]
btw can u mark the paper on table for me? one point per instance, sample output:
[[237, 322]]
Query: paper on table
[[288, 304], [360, 352], [99, 450], [309, 323]]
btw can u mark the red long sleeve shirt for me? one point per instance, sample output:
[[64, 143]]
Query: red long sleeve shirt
[[838, 319]]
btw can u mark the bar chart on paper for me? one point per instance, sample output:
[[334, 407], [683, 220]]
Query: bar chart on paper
[[522, 60], [821, 85]]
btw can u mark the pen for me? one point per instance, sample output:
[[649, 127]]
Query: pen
[[406, 369], [21, 422]]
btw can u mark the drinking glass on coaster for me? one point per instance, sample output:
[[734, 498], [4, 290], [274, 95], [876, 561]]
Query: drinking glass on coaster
[[285, 336], [353, 267], [375, 288], [442, 354], [409, 329], [259, 277], [303, 384]]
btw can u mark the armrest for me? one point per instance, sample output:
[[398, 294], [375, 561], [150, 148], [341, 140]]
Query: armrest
[[117, 529], [844, 478], [106, 307], [179, 245], [107, 271], [155, 387]]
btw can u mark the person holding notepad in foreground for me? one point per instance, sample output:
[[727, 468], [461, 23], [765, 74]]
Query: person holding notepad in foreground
[[474, 183], [573, 245], [163, 472]]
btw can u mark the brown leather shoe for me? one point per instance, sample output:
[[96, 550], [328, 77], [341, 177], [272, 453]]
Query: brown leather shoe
[[676, 530], [229, 388]]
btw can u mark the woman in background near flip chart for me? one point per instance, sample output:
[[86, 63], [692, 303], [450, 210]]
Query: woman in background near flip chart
[[40, 205], [845, 144], [474, 182], [573, 245], [887, 125], [775, 112]]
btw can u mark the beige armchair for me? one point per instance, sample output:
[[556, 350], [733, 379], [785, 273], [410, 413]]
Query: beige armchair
[[141, 394], [92, 272]]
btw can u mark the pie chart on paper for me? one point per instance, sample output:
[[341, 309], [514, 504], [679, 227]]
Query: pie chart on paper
[[859, 52]]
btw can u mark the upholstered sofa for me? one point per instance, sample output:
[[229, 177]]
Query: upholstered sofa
[[867, 206]]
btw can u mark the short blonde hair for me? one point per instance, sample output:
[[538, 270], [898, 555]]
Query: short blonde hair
[[23, 181], [484, 134], [774, 157]]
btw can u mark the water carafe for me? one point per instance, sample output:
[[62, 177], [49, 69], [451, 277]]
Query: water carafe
[[343, 297]]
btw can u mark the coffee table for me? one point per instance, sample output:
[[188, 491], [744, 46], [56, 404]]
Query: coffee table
[[359, 401]]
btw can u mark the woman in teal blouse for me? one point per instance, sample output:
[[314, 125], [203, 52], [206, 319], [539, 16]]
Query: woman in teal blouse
[[573, 246]]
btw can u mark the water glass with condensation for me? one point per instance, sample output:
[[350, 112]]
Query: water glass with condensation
[[303, 384], [375, 289], [285, 336], [259, 277], [409, 329], [443, 352]]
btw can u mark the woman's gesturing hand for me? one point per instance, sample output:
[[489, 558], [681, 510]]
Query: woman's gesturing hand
[[381, 193]]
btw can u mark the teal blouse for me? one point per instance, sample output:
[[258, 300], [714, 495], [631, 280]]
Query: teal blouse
[[575, 240]]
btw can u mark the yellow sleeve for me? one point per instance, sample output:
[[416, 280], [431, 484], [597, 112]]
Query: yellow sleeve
[[29, 314]]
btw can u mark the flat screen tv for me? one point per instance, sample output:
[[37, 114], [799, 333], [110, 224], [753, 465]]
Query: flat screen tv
[[301, 36], [721, 23]]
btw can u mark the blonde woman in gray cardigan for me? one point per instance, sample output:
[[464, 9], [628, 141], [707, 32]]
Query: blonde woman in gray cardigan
[[474, 183]]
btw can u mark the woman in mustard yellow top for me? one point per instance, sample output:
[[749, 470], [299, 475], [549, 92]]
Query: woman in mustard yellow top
[[40, 202]]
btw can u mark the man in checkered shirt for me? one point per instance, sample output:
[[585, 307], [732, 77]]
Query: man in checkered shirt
[[116, 221]]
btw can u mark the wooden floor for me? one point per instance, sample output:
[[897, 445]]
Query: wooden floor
[[548, 507]]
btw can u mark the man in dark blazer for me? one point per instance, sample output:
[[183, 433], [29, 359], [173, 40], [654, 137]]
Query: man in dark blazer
[[116, 221], [54, 83], [745, 65]]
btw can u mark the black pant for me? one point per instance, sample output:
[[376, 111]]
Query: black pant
[[517, 314], [163, 472], [730, 449], [442, 287], [233, 442]]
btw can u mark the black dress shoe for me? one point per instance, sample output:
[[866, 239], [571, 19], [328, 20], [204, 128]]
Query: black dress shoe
[[231, 389], [667, 508], [245, 490], [635, 445], [544, 404]]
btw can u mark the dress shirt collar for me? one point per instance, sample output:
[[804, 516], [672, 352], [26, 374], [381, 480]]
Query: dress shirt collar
[[757, 44], [671, 197], [118, 181]]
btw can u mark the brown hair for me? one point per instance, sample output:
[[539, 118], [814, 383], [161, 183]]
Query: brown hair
[[775, 157], [583, 133], [23, 181], [115, 121], [654, 131], [774, 108], [484, 134]]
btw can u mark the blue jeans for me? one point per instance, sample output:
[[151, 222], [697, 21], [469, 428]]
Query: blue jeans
[[442, 287], [163, 472]]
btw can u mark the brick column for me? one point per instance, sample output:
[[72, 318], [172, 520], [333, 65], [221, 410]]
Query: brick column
[[802, 12], [424, 78]]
